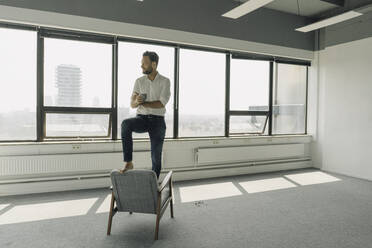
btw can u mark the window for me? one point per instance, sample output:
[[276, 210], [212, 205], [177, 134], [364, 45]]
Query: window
[[17, 84], [201, 93], [77, 88], [249, 96], [77, 73], [248, 124], [289, 99], [77, 125], [79, 94], [249, 85], [129, 69]]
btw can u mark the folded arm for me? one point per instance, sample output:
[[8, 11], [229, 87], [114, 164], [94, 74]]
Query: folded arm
[[153, 104], [136, 99]]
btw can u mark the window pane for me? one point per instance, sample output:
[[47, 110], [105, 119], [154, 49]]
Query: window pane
[[249, 85], [77, 125], [202, 93], [248, 124], [77, 73], [17, 84], [289, 106], [130, 56]]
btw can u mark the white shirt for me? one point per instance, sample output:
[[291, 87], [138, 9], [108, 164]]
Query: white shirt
[[156, 90]]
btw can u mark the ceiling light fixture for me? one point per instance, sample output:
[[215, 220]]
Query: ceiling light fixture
[[245, 8], [329, 21]]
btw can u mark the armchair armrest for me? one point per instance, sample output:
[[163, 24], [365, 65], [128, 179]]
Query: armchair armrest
[[167, 179]]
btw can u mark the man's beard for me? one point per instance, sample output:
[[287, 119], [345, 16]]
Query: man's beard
[[147, 71]]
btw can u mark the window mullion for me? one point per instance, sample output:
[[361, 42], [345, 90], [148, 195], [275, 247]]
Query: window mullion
[[271, 79], [114, 95], [227, 95], [40, 89], [176, 91]]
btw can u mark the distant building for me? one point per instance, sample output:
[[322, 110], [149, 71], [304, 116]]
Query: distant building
[[68, 82]]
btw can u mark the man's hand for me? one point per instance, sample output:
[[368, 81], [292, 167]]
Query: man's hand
[[135, 101], [139, 100]]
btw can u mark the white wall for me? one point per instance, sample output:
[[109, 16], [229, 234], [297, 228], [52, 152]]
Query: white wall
[[313, 112], [344, 142]]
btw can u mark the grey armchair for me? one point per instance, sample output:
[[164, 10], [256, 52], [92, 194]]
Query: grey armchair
[[139, 191]]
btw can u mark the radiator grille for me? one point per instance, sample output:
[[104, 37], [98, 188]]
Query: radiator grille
[[69, 163], [215, 155]]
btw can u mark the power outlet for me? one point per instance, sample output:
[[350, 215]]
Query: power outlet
[[76, 147], [215, 142]]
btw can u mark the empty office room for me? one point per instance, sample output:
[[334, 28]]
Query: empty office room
[[197, 123]]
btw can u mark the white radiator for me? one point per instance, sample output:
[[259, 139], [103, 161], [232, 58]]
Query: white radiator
[[218, 155], [69, 163]]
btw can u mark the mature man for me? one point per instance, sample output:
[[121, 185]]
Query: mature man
[[150, 112]]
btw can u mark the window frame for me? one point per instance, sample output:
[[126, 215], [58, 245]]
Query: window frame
[[231, 112], [202, 50], [26, 28], [41, 111], [306, 93]]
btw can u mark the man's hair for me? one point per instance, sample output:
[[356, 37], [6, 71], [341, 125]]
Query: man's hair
[[152, 55]]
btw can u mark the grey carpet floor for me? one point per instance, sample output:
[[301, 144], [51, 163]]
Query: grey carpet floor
[[333, 214]]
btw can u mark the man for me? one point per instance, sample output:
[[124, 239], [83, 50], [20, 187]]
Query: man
[[150, 113]]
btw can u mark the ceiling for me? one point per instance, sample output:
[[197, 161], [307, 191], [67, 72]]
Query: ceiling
[[308, 8]]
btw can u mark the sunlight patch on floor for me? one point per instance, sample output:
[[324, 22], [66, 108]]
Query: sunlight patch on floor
[[309, 178], [44, 211], [266, 185], [208, 191]]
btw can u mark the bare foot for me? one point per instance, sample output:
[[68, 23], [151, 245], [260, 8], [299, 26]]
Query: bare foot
[[128, 166]]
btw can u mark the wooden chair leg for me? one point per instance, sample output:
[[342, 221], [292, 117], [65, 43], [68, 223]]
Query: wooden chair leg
[[157, 217], [171, 207], [111, 214], [157, 226], [171, 195]]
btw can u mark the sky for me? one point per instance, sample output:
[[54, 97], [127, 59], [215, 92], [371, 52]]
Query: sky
[[17, 70]]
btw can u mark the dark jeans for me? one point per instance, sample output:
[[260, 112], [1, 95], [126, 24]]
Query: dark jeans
[[155, 126]]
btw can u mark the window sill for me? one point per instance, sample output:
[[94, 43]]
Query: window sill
[[167, 140]]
